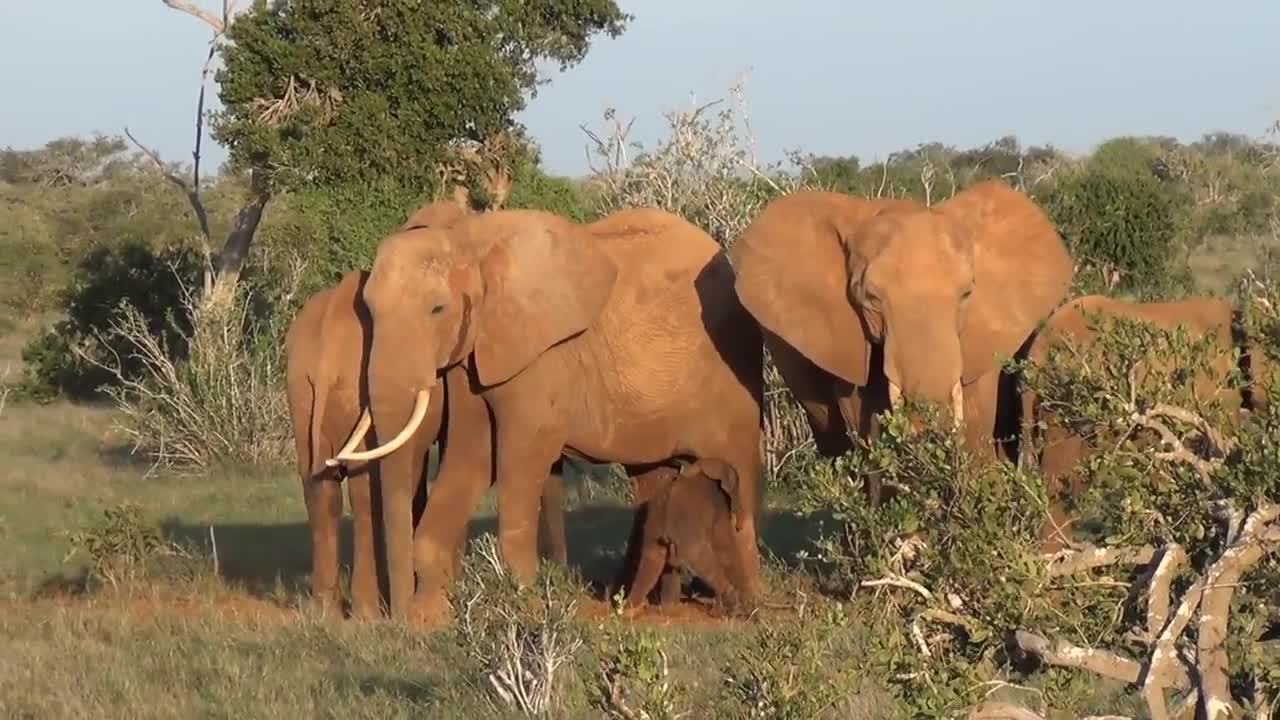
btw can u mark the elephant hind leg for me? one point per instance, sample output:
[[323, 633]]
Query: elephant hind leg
[[323, 496], [551, 535]]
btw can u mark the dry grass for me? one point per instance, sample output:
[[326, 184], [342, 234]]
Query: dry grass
[[1220, 259]]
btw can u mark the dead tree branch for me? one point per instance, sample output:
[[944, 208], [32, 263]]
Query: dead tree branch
[[190, 189]]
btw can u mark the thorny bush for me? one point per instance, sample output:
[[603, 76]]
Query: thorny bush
[[524, 640], [222, 401], [950, 551], [1180, 487]]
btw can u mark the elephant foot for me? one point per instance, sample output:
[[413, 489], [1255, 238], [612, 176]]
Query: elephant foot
[[631, 612], [327, 604], [365, 610], [429, 611]]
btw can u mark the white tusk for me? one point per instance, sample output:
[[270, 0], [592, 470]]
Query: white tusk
[[957, 403], [895, 395], [362, 429], [420, 403]]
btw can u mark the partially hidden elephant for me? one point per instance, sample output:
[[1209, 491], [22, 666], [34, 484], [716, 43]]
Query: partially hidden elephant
[[620, 340], [686, 524], [326, 355], [866, 301], [1074, 325]]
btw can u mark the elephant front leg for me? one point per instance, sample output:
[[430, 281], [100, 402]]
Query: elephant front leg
[[465, 472], [653, 560], [399, 474], [323, 497], [365, 603], [980, 398]]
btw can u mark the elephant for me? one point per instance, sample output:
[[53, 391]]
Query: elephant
[[1074, 323], [864, 302], [620, 340], [326, 352], [687, 524]]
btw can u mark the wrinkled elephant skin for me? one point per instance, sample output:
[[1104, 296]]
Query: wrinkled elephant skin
[[618, 341]]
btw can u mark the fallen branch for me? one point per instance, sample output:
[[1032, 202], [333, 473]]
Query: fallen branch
[[1090, 558], [901, 582], [1215, 608], [1065, 654], [1003, 711]]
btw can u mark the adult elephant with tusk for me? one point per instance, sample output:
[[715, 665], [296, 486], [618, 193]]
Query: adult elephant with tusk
[[618, 341], [864, 302], [326, 356]]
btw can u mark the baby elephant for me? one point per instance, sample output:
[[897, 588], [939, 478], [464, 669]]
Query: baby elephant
[[688, 525]]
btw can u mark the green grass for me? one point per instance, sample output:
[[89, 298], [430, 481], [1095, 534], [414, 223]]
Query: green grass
[[240, 641]]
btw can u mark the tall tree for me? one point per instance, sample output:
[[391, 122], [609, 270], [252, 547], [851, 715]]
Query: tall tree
[[322, 92]]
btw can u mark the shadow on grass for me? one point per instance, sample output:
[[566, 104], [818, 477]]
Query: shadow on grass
[[397, 688], [266, 559]]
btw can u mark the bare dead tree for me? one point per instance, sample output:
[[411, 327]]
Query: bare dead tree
[[223, 270]]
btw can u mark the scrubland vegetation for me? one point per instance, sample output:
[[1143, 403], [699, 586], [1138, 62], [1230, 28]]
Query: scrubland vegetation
[[157, 545]]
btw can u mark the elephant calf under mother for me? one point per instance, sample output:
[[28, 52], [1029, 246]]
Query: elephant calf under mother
[[620, 340]]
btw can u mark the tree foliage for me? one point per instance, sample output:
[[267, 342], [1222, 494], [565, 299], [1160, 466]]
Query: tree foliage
[[326, 92]]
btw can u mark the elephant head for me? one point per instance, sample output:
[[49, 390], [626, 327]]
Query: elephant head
[[693, 515], [943, 290], [497, 288]]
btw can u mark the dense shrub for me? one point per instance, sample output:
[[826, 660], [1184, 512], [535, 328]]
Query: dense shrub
[[1117, 216], [953, 546], [222, 400], [68, 358], [336, 229]]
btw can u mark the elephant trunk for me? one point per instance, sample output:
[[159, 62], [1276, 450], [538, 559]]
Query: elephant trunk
[[399, 399], [925, 368]]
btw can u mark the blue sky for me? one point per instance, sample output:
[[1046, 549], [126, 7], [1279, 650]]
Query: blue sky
[[828, 76]]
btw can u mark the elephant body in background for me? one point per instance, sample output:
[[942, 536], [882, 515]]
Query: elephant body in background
[[1073, 323], [618, 341], [864, 302], [686, 523]]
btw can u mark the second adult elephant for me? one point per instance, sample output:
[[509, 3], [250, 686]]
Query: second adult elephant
[[864, 302], [618, 341], [1075, 325]]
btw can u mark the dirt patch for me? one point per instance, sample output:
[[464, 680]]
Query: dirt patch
[[686, 613]]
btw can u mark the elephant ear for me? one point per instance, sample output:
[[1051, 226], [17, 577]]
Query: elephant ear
[[792, 277], [543, 284], [1022, 271], [726, 477]]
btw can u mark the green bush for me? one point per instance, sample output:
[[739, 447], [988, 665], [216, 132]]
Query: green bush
[[69, 358], [336, 229], [534, 189], [1117, 216], [953, 546]]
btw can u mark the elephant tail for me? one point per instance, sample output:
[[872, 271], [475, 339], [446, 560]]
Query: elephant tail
[[319, 395]]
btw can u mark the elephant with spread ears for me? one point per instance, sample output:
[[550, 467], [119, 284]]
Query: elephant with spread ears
[[620, 340], [326, 353], [866, 301]]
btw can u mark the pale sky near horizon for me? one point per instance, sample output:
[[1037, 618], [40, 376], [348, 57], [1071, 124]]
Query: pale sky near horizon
[[834, 77]]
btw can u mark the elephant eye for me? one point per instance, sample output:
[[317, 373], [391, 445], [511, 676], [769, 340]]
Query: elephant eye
[[437, 310]]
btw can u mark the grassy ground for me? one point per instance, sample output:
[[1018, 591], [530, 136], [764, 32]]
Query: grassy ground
[[239, 641]]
